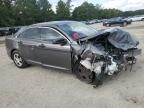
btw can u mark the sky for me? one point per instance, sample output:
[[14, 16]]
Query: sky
[[123, 5]]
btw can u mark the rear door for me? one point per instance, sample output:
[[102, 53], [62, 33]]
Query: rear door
[[119, 21], [28, 40], [112, 21], [51, 54]]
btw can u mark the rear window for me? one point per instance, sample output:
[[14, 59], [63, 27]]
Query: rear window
[[32, 33]]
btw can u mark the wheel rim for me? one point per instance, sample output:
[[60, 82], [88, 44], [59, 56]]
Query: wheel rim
[[124, 24], [85, 74], [18, 60]]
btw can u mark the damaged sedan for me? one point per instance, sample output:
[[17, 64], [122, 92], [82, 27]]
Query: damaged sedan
[[69, 45]]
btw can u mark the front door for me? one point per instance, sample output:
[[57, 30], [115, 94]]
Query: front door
[[54, 54]]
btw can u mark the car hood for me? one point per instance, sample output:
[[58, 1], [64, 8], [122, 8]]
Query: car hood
[[117, 37]]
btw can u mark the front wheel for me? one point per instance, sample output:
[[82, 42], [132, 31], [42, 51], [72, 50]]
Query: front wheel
[[18, 60], [124, 24], [83, 74], [108, 25]]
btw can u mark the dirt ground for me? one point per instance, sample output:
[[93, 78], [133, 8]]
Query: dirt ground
[[37, 87]]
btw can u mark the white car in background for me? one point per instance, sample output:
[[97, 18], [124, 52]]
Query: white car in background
[[138, 18]]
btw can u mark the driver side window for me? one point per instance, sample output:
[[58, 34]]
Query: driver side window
[[50, 35]]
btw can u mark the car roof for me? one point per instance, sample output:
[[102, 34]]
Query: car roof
[[51, 23], [47, 24]]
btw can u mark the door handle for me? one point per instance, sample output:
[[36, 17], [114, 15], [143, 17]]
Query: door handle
[[41, 46]]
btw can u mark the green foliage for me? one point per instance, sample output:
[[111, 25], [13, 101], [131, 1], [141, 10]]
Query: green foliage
[[62, 10], [86, 11], [131, 13], [6, 11], [45, 12], [109, 13], [68, 4], [25, 12]]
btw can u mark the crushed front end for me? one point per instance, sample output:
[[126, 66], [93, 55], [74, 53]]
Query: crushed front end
[[108, 52]]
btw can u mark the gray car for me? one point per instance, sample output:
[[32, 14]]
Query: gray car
[[69, 45]]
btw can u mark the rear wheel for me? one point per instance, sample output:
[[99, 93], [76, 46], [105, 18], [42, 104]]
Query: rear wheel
[[18, 60]]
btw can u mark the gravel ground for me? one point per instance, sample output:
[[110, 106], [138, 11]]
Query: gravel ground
[[37, 87], [2, 39]]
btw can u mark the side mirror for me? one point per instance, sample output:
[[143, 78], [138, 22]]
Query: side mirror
[[60, 41]]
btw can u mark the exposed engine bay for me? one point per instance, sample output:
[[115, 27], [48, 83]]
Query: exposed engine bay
[[108, 52]]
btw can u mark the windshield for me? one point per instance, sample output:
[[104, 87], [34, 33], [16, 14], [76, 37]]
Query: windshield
[[77, 30]]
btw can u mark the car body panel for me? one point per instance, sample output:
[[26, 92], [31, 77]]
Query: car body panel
[[45, 53], [116, 21], [137, 18], [90, 54], [28, 49], [55, 55], [51, 55]]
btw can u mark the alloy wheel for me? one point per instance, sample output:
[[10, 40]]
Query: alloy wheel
[[17, 59]]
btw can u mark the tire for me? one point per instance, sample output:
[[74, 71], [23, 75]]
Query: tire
[[83, 74], [108, 25], [18, 60], [124, 24]]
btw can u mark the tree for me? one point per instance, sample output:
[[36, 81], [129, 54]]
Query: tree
[[84, 12], [45, 11], [26, 11], [62, 11], [109, 13], [68, 4], [88, 11], [6, 13]]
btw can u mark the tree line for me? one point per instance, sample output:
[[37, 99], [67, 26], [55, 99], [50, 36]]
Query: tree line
[[25, 12]]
